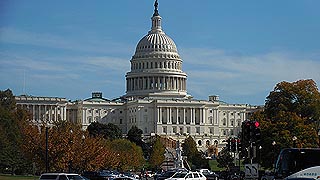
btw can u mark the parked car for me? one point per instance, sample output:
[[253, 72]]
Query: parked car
[[167, 174], [164, 175], [123, 178], [209, 174], [188, 176], [96, 175], [61, 176]]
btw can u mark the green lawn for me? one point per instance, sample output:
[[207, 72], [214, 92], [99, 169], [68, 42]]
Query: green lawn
[[10, 177]]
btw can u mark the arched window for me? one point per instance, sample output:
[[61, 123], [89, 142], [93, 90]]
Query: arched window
[[207, 142]]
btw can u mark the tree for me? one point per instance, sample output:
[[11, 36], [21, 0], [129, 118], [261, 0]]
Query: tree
[[11, 155], [108, 131], [135, 135], [157, 154], [291, 110], [281, 130], [69, 148], [301, 97], [225, 159], [194, 157], [130, 155]]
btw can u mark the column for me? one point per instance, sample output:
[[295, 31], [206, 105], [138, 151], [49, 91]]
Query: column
[[204, 116], [157, 115], [55, 113], [177, 115], [164, 83], [39, 113], [65, 113], [184, 115], [168, 115], [216, 116], [191, 115], [83, 116], [160, 114], [143, 83], [201, 116], [49, 113], [34, 112]]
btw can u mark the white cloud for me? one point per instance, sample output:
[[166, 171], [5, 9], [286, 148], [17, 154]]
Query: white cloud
[[111, 63], [22, 37], [210, 71]]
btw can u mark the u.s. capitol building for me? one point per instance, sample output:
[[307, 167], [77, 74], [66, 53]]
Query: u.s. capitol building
[[156, 99]]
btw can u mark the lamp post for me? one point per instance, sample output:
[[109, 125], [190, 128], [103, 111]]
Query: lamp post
[[260, 148], [274, 152], [47, 161], [319, 136], [71, 145]]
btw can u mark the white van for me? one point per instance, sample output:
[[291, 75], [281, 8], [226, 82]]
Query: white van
[[61, 176]]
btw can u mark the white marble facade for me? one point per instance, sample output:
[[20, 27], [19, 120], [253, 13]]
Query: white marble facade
[[156, 99], [44, 109]]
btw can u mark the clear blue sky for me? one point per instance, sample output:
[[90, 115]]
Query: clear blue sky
[[238, 50]]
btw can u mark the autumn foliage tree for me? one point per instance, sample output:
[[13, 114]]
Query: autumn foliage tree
[[69, 148], [291, 110]]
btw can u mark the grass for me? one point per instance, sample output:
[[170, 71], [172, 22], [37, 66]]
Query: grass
[[11, 177], [214, 165]]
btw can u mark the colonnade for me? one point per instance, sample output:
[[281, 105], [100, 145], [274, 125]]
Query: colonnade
[[173, 115], [46, 112], [161, 65], [156, 83]]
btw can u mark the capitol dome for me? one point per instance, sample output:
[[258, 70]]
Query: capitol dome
[[156, 43], [156, 67]]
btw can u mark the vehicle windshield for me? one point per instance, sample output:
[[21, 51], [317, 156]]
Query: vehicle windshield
[[293, 160], [179, 175], [75, 177], [48, 177]]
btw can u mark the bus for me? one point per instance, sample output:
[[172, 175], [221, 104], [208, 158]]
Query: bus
[[298, 163]]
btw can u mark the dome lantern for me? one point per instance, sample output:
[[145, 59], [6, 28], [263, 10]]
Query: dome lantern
[[156, 20]]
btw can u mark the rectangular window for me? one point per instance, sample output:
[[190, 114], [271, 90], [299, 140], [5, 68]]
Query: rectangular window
[[174, 129], [164, 130], [198, 130], [211, 130]]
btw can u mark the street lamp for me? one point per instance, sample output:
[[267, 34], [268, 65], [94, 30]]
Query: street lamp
[[294, 139], [260, 148]]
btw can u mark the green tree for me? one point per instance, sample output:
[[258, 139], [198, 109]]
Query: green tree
[[194, 157], [135, 135], [108, 131], [225, 159], [157, 154], [11, 155], [130, 155]]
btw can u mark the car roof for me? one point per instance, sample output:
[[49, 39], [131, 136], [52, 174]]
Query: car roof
[[59, 174]]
